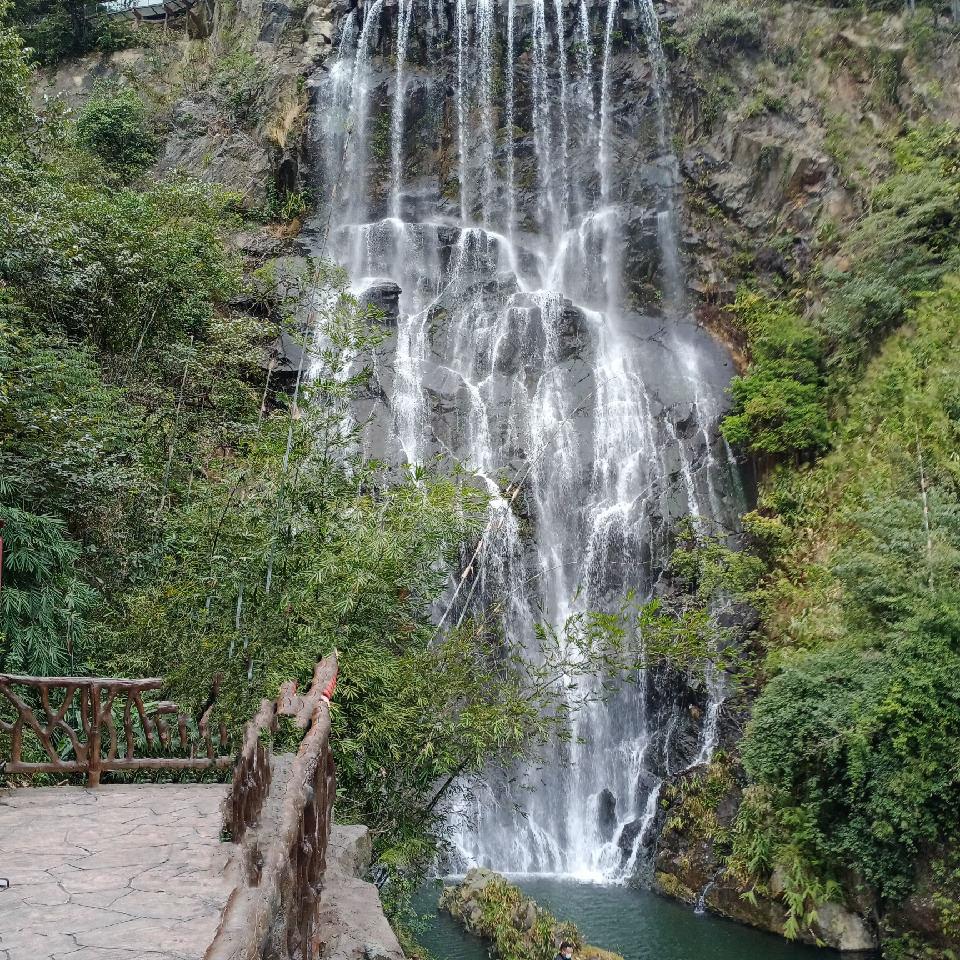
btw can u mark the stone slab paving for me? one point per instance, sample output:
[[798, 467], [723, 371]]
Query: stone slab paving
[[114, 873]]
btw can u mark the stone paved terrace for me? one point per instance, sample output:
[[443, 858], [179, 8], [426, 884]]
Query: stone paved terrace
[[116, 873]]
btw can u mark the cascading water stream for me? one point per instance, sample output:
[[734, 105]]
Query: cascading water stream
[[484, 20], [396, 119], [525, 230], [542, 128], [463, 39], [509, 95]]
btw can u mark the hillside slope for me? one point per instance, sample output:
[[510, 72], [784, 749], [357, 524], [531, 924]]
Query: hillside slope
[[820, 148]]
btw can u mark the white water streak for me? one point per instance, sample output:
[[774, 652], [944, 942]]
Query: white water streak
[[396, 120]]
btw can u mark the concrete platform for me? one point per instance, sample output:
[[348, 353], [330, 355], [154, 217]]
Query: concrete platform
[[116, 873]]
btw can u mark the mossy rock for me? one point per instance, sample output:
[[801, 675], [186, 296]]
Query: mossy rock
[[516, 927]]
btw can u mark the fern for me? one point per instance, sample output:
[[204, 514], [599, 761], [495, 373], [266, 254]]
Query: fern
[[44, 604]]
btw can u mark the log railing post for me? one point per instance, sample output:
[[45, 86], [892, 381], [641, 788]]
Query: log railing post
[[93, 745]]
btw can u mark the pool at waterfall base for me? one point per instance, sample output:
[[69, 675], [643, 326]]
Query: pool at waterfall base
[[637, 924]]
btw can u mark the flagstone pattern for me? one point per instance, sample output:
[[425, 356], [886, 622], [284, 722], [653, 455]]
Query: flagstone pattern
[[118, 873]]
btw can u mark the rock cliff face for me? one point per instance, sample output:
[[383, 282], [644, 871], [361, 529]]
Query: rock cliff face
[[227, 88], [784, 121]]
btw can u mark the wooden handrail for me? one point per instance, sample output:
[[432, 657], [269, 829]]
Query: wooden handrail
[[97, 728], [273, 911]]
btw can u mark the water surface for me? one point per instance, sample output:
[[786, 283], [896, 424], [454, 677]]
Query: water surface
[[635, 923]]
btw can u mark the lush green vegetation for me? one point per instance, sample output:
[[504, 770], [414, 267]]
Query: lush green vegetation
[[169, 511], [901, 249], [851, 412], [780, 405], [114, 126], [56, 29], [864, 671]]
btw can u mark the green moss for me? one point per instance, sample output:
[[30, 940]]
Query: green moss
[[519, 928], [670, 886]]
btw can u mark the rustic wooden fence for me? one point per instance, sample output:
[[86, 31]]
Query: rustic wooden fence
[[88, 725], [273, 911]]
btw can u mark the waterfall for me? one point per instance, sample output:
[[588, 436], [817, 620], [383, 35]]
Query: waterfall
[[509, 94], [564, 130], [611, 275], [584, 89], [484, 18], [396, 119], [701, 908], [527, 218], [542, 127], [463, 38]]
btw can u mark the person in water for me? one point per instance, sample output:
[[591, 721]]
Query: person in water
[[566, 951]]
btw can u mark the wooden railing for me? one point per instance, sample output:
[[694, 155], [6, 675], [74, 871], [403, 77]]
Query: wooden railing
[[83, 721], [307, 811], [98, 723], [272, 913], [252, 775]]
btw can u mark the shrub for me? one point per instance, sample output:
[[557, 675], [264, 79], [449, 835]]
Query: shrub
[[719, 27], [242, 76], [114, 126], [780, 405], [873, 735], [518, 928]]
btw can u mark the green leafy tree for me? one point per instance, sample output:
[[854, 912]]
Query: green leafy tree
[[17, 119], [120, 268], [57, 29], [45, 603], [114, 125]]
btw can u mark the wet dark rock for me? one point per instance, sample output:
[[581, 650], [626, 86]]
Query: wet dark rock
[[503, 284], [575, 333], [740, 617], [727, 808], [286, 359], [684, 418], [606, 814], [385, 297], [771, 260], [628, 836], [523, 344], [443, 382]]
